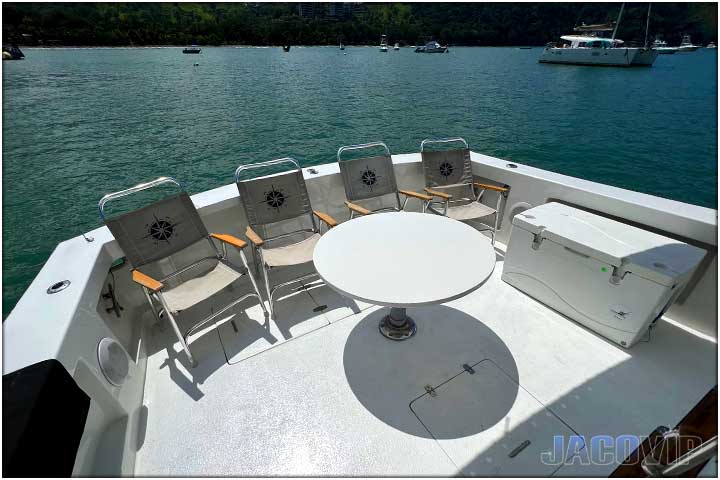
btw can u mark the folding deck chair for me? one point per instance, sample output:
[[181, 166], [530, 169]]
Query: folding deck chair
[[157, 237], [371, 178], [281, 221], [449, 178]]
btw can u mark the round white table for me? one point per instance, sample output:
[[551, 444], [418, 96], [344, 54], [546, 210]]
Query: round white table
[[401, 260]]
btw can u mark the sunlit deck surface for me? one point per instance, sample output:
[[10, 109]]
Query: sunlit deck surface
[[321, 392]]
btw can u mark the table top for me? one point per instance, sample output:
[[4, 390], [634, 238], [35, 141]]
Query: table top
[[403, 259]]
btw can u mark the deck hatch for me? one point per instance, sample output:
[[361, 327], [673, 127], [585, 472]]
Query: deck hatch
[[488, 424]]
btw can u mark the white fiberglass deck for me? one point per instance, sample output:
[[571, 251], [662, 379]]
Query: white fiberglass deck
[[335, 399]]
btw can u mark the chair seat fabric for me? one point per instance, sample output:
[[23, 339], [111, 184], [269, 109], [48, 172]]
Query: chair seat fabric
[[198, 289], [293, 254], [469, 211]]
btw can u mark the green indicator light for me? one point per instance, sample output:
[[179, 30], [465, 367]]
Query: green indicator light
[[603, 269]]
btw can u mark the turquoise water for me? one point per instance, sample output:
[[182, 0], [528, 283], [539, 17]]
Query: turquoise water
[[81, 123]]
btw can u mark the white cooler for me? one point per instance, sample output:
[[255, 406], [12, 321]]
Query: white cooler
[[613, 278]]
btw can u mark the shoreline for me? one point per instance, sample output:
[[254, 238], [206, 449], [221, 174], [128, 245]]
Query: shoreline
[[80, 47]]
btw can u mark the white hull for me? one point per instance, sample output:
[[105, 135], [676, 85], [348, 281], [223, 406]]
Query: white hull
[[666, 50], [687, 48], [645, 57], [610, 57]]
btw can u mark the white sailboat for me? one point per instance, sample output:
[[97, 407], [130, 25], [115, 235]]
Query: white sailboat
[[588, 47]]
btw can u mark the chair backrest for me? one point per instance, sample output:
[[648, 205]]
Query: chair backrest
[[273, 198], [158, 230], [367, 177], [446, 167]]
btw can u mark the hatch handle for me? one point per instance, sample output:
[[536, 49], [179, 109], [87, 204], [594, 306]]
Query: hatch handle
[[519, 448]]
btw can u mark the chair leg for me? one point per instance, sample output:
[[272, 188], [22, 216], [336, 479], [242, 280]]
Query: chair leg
[[152, 305], [173, 323], [254, 284], [267, 286], [494, 232]]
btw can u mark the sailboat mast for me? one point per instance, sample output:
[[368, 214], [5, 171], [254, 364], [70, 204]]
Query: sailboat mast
[[647, 24], [617, 24]]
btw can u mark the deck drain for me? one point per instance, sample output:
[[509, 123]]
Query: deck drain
[[320, 308], [58, 287]]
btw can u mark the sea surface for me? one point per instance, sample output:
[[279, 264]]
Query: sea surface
[[79, 123]]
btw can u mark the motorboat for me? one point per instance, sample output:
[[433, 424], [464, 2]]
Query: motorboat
[[396, 47], [286, 48], [342, 47], [686, 45], [589, 47], [711, 45], [194, 49], [12, 52], [495, 383], [662, 47], [383, 43], [431, 47]]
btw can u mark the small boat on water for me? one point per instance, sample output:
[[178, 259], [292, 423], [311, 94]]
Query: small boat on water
[[286, 48], [711, 45], [431, 47], [396, 47], [193, 49], [12, 53], [662, 47], [342, 47], [686, 45], [383, 43]]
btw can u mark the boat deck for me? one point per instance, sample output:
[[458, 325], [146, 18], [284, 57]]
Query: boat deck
[[321, 392]]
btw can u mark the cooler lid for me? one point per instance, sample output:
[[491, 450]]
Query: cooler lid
[[643, 253]]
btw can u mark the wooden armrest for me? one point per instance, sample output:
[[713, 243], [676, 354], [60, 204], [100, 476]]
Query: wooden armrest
[[234, 241], [435, 193], [331, 222], [146, 281], [421, 196], [492, 187], [254, 237], [357, 208]]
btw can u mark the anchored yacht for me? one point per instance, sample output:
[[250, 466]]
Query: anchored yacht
[[383, 43], [686, 45], [597, 320], [662, 47], [431, 47], [589, 47]]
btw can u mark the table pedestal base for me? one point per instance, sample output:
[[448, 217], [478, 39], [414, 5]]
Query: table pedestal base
[[397, 325]]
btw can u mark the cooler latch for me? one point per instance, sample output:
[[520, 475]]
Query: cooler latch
[[617, 275], [537, 240]]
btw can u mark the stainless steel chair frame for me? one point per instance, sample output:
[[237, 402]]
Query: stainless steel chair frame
[[257, 250], [400, 205], [474, 195], [153, 296]]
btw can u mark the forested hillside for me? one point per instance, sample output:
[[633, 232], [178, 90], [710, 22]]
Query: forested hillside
[[328, 23]]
